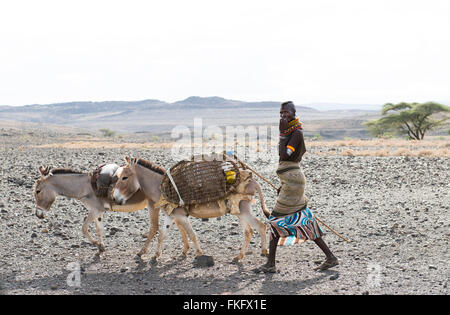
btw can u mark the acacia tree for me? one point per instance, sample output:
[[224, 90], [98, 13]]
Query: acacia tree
[[412, 119]]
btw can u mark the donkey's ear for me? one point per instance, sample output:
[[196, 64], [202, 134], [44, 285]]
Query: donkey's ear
[[127, 159], [133, 161], [44, 170]]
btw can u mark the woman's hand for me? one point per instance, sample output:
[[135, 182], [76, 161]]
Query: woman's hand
[[283, 124]]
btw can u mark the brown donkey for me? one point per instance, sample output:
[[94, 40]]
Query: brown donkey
[[146, 176], [72, 184]]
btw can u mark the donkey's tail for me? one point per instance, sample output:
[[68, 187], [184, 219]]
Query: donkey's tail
[[261, 198]]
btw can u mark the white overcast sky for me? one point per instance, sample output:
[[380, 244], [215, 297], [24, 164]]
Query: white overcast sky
[[346, 51]]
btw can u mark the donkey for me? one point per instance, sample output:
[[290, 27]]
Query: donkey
[[146, 176], [73, 184]]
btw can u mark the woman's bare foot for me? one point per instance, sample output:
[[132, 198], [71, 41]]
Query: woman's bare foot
[[266, 269]]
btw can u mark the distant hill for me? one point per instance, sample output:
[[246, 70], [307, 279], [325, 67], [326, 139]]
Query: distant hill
[[219, 102], [130, 116], [341, 106], [157, 116]]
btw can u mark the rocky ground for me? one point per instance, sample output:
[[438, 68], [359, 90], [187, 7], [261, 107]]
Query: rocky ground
[[395, 211]]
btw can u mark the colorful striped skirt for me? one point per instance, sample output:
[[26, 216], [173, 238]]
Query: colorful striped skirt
[[295, 228]]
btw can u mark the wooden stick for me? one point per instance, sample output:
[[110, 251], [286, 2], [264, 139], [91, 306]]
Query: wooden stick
[[256, 173], [336, 233], [276, 188]]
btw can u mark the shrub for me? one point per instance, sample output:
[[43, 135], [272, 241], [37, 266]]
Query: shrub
[[317, 136], [348, 152], [107, 133], [403, 152]]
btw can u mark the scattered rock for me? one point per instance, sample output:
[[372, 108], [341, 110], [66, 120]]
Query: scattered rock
[[203, 261], [114, 230], [393, 209], [334, 277]]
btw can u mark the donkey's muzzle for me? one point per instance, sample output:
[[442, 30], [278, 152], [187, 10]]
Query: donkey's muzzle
[[118, 201], [117, 197]]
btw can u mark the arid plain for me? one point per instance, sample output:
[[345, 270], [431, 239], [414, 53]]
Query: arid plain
[[389, 197]]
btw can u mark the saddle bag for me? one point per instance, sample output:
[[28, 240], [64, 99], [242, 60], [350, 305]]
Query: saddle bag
[[102, 180]]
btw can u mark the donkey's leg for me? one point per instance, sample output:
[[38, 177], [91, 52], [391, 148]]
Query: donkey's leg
[[154, 227], [248, 233], [180, 217], [85, 229], [245, 209], [96, 209], [100, 233], [162, 236], [185, 240]]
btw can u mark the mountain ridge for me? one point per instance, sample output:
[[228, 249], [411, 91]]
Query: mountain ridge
[[154, 115], [197, 101]]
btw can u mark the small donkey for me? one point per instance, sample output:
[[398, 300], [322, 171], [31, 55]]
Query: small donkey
[[73, 184]]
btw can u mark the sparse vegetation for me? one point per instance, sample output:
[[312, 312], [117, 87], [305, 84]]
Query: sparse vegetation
[[397, 152], [410, 119], [350, 147], [383, 147], [107, 132]]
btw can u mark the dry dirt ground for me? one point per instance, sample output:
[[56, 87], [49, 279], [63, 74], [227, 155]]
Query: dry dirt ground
[[394, 209]]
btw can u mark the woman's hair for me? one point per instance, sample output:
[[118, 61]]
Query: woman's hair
[[289, 104]]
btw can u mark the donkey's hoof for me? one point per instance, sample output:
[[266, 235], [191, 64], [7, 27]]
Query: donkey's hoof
[[138, 257], [101, 248], [238, 258], [236, 261], [265, 253], [153, 260]]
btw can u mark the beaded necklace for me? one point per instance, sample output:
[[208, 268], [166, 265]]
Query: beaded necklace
[[293, 125]]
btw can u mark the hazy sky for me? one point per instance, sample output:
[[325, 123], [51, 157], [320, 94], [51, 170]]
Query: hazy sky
[[348, 51]]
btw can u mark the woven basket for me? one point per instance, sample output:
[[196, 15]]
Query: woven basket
[[200, 181]]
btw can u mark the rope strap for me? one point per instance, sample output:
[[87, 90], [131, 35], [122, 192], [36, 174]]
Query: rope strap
[[181, 203]]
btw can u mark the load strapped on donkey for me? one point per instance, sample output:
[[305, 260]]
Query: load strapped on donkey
[[201, 179], [205, 180]]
